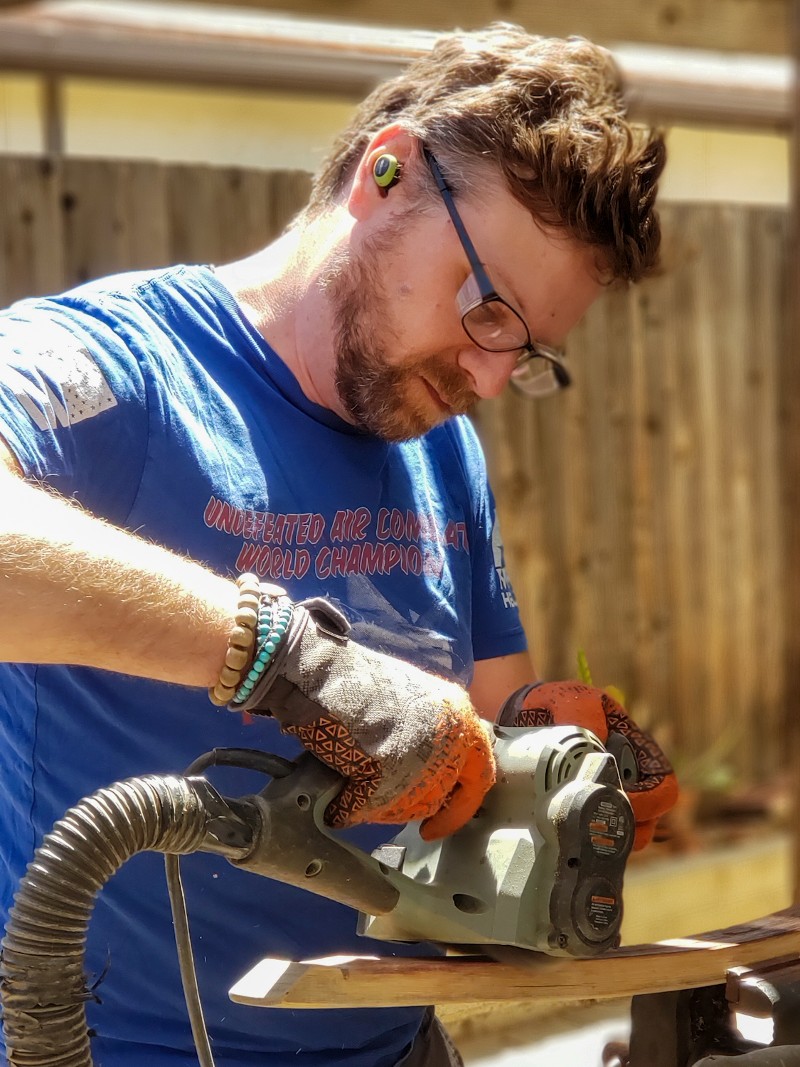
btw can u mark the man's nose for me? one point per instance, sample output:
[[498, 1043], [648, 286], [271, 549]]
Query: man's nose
[[489, 371]]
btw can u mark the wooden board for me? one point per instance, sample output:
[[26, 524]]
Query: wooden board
[[369, 981], [736, 25]]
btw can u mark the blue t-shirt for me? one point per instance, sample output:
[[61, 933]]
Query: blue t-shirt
[[150, 400]]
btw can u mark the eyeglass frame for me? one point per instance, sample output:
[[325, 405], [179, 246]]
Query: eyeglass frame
[[531, 349]]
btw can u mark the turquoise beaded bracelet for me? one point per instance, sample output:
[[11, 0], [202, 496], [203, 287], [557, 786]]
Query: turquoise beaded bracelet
[[273, 620]]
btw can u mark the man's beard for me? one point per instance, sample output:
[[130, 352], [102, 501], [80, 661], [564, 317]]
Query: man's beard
[[375, 393]]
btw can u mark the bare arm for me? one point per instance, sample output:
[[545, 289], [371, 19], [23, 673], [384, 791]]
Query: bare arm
[[74, 589], [495, 679]]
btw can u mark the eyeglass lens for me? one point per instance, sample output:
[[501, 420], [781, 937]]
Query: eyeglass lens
[[537, 378], [490, 322]]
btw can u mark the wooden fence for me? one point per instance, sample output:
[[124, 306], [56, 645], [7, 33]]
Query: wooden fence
[[642, 511], [62, 223]]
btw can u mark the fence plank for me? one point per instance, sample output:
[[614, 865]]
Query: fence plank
[[288, 193], [767, 287], [115, 217], [194, 198], [31, 245]]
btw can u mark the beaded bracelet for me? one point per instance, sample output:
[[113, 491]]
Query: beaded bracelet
[[241, 641], [273, 620]]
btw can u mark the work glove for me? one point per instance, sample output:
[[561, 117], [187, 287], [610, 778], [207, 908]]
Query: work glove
[[650, 782], [408, 744]]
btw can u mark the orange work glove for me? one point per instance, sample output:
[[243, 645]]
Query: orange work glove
[[655, 788], [408, 744]]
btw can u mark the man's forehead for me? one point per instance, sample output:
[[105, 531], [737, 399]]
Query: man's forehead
[[507, 232], [545, 272]]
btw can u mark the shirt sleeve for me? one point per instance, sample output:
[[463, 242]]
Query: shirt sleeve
[[496, 626], [73, 404]]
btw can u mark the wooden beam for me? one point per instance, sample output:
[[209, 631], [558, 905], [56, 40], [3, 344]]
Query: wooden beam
[[727, 25], [203, 44], [52, 117], [213, 45], [677, 85], [366, 981]]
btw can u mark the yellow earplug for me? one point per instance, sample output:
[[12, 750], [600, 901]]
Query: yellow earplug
[[386, 171]]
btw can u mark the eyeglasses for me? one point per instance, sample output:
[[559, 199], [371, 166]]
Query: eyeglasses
[[491, 323]]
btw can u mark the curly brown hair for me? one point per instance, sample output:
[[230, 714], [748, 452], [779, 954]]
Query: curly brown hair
[[548, 112]]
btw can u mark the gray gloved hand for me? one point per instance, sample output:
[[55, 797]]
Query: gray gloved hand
[[408, 744]]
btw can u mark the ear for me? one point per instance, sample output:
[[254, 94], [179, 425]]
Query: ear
[[366, 196]]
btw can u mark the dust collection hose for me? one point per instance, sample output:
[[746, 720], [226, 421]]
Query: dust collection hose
[[43, 985]]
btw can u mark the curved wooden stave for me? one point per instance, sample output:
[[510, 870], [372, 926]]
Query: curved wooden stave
[[369, 981]]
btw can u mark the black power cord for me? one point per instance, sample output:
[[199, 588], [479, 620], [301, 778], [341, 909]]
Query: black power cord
[[247, 759]]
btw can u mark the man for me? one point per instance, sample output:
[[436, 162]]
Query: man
[[299, 414]]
